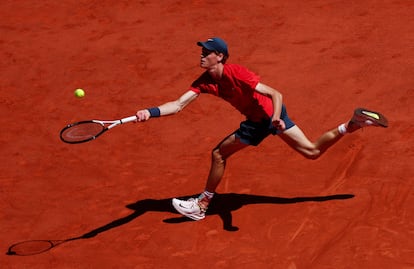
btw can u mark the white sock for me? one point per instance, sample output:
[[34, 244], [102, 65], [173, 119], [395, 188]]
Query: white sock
[[342, 128], [207, 194]]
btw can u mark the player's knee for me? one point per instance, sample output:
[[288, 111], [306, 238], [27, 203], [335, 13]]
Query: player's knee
[[313, 155], [217, 156]]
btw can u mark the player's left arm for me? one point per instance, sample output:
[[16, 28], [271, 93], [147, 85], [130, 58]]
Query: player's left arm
[[277, 100]]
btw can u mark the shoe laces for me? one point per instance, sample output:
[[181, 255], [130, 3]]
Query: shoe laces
[[202, 208]]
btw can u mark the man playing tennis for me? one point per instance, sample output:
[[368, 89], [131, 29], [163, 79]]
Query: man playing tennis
[[265, 115]]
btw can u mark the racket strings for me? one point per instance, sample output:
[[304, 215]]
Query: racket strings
[[83, 131]]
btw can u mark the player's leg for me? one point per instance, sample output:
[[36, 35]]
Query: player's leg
[[196, 208], [295, 138], [219, 155], [361, 118]]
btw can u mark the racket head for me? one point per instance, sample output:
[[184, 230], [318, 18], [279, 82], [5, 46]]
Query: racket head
[[82, 131], [31, 247]]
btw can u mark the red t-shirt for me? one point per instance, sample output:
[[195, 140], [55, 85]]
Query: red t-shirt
[[237, 86]]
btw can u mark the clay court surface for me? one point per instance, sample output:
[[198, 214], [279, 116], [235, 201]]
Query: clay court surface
[[352, 208]]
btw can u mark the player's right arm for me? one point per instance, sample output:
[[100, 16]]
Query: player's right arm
[[168, 108]]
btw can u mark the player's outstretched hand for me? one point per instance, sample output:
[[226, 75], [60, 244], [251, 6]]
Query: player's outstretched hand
[[143, 115]]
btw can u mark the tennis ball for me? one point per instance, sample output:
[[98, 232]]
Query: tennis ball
[[79, 93]]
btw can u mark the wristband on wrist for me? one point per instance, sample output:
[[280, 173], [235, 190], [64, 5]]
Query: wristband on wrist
[[154, 112]]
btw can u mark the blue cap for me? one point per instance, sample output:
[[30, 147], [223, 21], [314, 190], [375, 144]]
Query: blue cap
[[215, 44]]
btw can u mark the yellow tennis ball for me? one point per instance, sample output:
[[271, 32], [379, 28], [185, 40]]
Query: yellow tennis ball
[[79, 93]]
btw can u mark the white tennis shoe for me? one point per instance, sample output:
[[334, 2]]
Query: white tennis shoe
[[189, 208]]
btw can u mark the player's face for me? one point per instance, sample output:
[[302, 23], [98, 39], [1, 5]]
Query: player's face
[[209, 58]]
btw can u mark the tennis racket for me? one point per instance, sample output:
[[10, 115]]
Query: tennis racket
[[84, 131]]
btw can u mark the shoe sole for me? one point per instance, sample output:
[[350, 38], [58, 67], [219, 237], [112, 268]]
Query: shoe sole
[[176, 202], [376, 117]]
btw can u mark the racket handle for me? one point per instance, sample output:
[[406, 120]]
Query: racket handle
[[128, 119]]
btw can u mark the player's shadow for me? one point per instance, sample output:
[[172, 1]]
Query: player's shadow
[[222, 205]]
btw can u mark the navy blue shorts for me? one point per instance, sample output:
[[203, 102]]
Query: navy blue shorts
[[252, 133]]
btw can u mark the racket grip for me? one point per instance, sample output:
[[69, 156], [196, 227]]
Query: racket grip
[[128, 119]]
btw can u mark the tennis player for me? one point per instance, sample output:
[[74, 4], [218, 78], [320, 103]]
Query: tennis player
[[265, 115]]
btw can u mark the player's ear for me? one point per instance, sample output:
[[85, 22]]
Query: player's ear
[[220, 57]]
